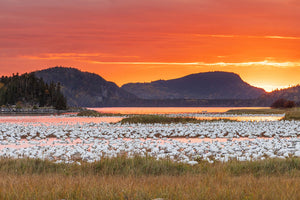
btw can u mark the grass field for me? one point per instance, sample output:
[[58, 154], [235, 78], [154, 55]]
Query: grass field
[[93, 113], [293, 114], [147, 178], [256, 111], [152, 119]]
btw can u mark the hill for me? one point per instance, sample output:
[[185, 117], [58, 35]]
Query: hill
[[291, 93], [209, 85], [84, 88]]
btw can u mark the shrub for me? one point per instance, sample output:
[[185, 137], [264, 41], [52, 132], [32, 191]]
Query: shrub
[[283, 103], [289, 104]]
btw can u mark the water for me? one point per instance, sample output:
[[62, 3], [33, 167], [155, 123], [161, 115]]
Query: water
[[204, 113], [57, 119], [169, 110]]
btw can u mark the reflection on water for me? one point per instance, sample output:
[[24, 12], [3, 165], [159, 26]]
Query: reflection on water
[[169, 110], [142, 110], [74, 120], [244, 118], [57, 119]]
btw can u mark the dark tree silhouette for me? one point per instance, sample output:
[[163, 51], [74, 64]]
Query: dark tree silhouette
[[283, 103], [27, 89]]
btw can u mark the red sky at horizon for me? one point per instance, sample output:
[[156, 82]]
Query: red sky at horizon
[[141, 41]]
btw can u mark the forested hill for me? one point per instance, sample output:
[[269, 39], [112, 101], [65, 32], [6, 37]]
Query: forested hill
[[28, 90], [291, 93], [208, 85], [86, 89]]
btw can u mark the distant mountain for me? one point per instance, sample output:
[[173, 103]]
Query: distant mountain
[[209, 85], [292, 94], [84, 88]]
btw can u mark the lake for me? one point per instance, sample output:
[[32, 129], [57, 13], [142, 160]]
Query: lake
[[203, 113], [168, 110]]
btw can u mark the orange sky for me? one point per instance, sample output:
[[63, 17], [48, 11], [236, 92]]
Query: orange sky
[[145, 40]]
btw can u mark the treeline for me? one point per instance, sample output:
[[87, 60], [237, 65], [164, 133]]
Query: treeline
[[284, 103], [180, 103], [28, 90], [191, 103]]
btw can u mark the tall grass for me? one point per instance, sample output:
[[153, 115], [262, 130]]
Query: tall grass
[[149, 166], [93, 113], [293, 114], [256, 111], [149, 119], [152, 119], [147, 178]]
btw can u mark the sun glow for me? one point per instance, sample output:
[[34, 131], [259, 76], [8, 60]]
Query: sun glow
[[270, 88], [84, 57]]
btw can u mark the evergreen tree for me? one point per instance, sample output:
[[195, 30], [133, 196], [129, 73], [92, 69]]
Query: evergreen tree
[[27, 89]]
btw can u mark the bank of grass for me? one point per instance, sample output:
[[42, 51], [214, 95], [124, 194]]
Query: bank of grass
[[293, 114], [148, 178], [256, 111], [152, 119], [93, 113], [149, 166], [290, 113]]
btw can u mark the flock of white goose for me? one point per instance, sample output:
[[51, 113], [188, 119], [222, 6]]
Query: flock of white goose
[[210, 141]]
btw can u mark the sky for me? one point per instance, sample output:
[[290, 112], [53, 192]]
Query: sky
[[146, 40]]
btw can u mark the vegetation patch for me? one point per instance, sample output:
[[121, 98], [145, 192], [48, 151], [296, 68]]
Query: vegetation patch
[[293, 114], [149, 166], [256, 111], [283, 103], [93, 113], [147, 178], [267, 167], [153, 119]]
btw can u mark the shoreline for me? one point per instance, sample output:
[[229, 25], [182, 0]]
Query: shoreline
[[39, 111]]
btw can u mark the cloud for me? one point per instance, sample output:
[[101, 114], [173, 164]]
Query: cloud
[[221, 64], [249, 36], [74, 56], [88, 58]]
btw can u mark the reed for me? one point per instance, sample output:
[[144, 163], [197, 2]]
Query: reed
[[147, 178], [93, 113], [153, 119], [149, 166], [293, 114], [256, 111]]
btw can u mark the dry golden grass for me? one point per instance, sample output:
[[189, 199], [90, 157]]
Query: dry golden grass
[[152, 119], [145, 178], [205, 186], [257, 111], [293, 114]]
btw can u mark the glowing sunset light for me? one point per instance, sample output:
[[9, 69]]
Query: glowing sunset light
[[270, 88], [141, 41], [250, 36]]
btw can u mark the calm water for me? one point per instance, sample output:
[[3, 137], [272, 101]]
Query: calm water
[[136, 110], [57, 119], [168, 110]]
